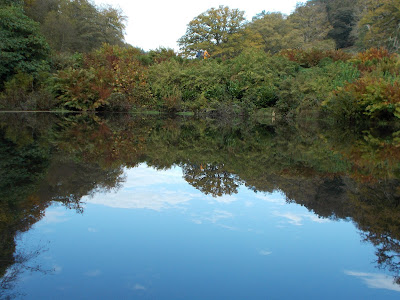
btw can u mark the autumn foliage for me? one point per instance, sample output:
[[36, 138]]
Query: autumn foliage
[[110, 78]]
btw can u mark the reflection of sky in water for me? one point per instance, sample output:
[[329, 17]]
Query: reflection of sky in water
[[160, 238]]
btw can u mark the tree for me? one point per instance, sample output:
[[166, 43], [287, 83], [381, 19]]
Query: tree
[[38, 9], [212, 30], [311, 24], [77, 25], [22, 47], [272, 27], [380, 25], [342, 17]]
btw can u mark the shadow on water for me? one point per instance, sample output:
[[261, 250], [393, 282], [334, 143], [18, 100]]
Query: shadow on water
[[335, 172]]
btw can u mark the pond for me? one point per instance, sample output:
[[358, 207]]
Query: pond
[[152, 207]]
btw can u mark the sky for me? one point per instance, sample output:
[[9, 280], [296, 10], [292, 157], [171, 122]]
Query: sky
[[154, 24]]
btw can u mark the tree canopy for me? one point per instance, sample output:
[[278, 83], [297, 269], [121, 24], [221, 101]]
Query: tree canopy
[[22, 47], [380, 24], [77, 25], [211, 30]]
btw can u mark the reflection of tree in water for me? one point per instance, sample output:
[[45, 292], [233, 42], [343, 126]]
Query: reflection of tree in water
[[33, 175], [373, 208], [377, 215], [211, 179], [68, 181], [23, 262], [334, 176]]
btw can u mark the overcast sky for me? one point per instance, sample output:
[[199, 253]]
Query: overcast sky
[[154, 24]]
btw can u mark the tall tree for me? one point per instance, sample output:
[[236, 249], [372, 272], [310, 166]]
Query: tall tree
[[272, 28], [22, 48], [380, 24], [211, 30], [311, 24], [342, 17], [77, 25]]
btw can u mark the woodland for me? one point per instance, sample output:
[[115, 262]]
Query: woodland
[[335, 59]]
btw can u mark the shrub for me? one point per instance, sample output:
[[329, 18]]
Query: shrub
[[377, 59], [24, 92], [312, 57], [304, 93], [110, 78], [366, 98]]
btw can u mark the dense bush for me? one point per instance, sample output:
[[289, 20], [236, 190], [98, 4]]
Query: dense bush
[[313, 57], [110, 78], [303, 94], [375, 95], [367, 98], [248, 81]]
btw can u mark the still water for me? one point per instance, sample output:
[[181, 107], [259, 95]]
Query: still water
[[128, 207]]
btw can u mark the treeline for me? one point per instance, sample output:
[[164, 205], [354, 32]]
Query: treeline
[[75, 58], [324, 24], [37, 35]]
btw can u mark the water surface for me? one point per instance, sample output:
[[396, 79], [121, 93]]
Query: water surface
[[118, 207]]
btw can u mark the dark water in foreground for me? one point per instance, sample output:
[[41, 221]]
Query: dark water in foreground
[[122, 207]]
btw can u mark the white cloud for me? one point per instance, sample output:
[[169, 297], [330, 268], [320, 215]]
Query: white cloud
[[218, 215], [265, 252], [298, 219], [376, 281], [292, 218], [277, 198], [139, 287], [143, 175], [225, 199], [55, 216], [148, 199], [57, 269], [147, 188]]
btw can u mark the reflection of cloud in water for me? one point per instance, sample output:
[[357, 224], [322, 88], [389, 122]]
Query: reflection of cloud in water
[[225, 199], [139, 287], [214, 217], [276, 198], [217, 215], [265, 252], [57, 269], [297, 219], [93, 273], [376, 281], [143, 175], [147, 188], [55, 216], [148, 199]]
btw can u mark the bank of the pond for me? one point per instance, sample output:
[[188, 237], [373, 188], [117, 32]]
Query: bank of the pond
[[330, 84]]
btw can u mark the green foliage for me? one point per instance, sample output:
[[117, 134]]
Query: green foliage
[[78, 25], [22, 48], [249, 81], [273, 29], [211, 30], [310, 26], [367, 98], [303, 95], [379, 25], [313, 57], [342, 16], [373, 96]]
